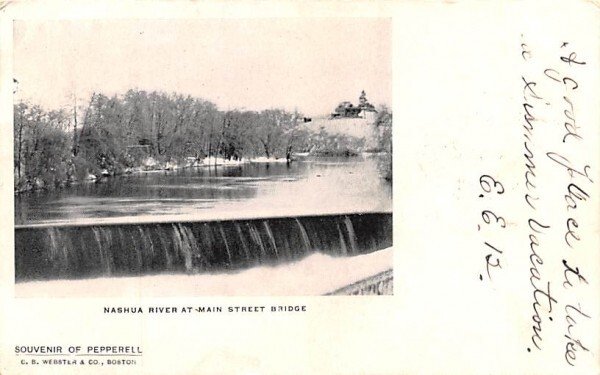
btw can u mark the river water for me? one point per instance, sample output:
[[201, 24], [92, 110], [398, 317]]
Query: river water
[[308, 186]]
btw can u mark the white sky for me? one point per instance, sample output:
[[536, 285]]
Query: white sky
[[308, 64]]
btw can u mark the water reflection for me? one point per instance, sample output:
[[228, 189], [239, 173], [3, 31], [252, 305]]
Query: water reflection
[[308, 186]]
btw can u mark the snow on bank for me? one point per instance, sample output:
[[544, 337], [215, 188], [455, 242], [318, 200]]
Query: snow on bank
[[225, 162], [218, 161], [353, 127], [153, 166], [264, 159], [208, 162], [316, 274]]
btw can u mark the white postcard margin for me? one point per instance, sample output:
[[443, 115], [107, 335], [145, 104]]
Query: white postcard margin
[[458, 116]]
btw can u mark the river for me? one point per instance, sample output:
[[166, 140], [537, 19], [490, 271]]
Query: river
[[307, 186]]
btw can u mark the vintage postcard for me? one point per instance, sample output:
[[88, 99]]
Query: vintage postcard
[[280, 188], [229, 157]]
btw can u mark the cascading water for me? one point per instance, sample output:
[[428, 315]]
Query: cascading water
[[70, 251], [351, 234], [224, 238], [271, 238], [342, 241], [242, 241], [305, 239]]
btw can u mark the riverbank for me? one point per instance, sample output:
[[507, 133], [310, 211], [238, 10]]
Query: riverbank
[[149, 166], [208, 162], [317, 274]]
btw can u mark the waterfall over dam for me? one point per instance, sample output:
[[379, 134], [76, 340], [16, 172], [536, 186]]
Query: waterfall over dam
[[45, 252]]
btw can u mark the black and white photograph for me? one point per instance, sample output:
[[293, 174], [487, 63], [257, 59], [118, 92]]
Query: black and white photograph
[[316, 187], [203, 157]]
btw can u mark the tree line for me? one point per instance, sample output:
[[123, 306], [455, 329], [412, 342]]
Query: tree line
[[110, 135]]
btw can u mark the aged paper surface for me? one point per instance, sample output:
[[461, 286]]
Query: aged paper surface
[[495, 193]]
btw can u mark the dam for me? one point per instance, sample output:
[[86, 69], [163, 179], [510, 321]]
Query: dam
[[53, 251], [311, 227]]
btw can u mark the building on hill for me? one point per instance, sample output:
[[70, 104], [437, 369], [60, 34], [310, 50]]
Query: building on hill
[[348, 110], [345, 109]]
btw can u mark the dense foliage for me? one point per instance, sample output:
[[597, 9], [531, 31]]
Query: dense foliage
[[115, 133], [110, 135]]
